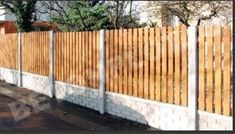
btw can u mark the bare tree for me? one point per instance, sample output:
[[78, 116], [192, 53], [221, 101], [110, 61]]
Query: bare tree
[[123, 13], [190, 12]]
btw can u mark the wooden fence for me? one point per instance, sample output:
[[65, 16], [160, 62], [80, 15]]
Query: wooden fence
[[76, 58], [215, 87], [35, 53], [149, 63], [8, 51]]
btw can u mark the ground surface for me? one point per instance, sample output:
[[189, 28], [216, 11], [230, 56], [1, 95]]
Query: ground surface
[[59, 116]]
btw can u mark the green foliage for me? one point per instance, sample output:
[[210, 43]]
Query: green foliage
[[83, 15]]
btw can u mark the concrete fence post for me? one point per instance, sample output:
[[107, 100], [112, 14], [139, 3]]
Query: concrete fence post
[[51, 63], [192, 77], [19, 60], [102, 96]]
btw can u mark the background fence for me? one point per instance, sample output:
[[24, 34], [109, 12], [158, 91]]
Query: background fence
[[149, 63], [9, 51]]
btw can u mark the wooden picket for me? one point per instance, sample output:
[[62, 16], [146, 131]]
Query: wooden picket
[[215, 89], [35, 53], [76, 58], [149, 63]]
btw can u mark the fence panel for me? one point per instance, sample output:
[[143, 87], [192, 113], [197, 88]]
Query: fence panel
[[35, 53], [76, 58], [215, 87], [9, 51], [149, 63]]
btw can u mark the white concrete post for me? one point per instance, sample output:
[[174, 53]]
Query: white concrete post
[[192, 77], [19, 60], [51, 63], [102, 96]]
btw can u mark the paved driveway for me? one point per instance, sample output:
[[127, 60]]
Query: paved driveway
[[18, 111]]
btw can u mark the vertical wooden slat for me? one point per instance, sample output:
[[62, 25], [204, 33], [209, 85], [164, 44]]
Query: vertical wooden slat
[[120, 49], [130, 83], [98, 56], [27, 43], [94, 65], [227, 72], [164, 65], [56, 54], [93, 60], [184, 59], [177, 65], [68, 78], [218, 80], [107, 60], [72, 67], [64, 46], [82, 71], [39, 52], [209, 101], [66, 57], [79, 60], [151, 56], [44, 54], [89, 59], [46, 57], [170, 74], [158, 64], [25, 65], [125, 66], [30, 52], [146, 63], [201, 83], [115, 59], [141, 63], [135, 62], [111, 60], [75, 56], [62, 51]]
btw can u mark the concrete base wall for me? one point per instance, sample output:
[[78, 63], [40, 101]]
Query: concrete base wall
[[37, 83], [84, 96], [155, 114], [9, 75]]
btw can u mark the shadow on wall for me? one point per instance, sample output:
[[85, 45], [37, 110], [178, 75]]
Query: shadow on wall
[[117, 106], [10, 76], [113, 107], [123, 107]]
